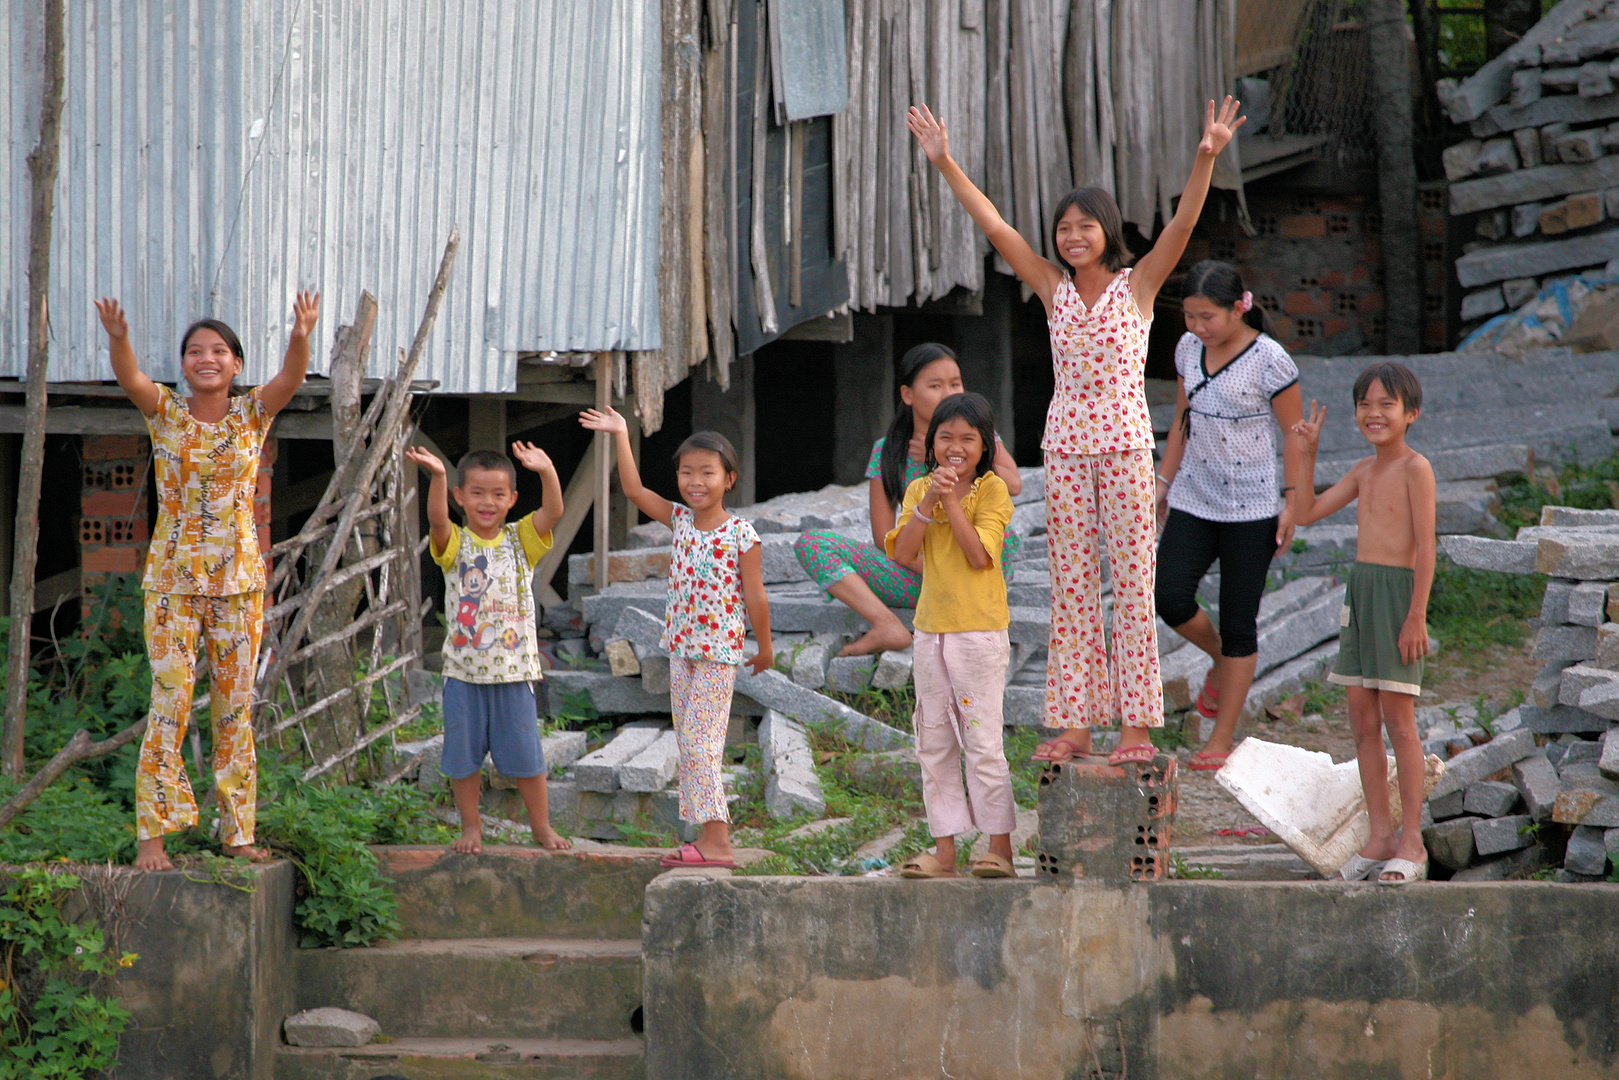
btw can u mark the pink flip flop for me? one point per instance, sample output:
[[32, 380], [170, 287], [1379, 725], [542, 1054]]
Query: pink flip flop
[[1141, 754], [1208, 691], [1202, 762], [689, 855]]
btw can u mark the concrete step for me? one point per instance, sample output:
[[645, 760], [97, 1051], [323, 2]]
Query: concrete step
[[468, 1059], [541, 988], [520, 892]]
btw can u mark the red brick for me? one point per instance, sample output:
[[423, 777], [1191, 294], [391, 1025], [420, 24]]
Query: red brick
[[1333, 324], [1306, 302], [1347, 205], [1360, 275], [115, 447], [1331, 279], [128, 502], [1303, 226], [1371, 303], [111, 560]]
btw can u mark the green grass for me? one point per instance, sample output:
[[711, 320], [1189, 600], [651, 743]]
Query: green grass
[[1589, 487], [1471, 611]]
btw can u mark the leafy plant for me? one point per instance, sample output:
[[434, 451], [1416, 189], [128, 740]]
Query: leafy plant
[[55, 1020], [73, 820], [1186, 871]]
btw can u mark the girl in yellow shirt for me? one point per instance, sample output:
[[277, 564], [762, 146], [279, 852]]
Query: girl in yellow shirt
[[204, 581], [956, 518]]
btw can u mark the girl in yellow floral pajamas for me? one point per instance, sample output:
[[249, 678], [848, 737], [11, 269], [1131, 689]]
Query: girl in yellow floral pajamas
[[205, 577]]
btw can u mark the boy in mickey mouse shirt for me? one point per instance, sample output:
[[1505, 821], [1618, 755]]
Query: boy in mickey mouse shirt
[[491, 658]]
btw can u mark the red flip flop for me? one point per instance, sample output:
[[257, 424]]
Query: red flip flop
[[1208, 691], [1207, 762], [1141, 754], [689, 855]]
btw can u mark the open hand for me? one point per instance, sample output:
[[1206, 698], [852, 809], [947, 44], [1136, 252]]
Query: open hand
[[1161, 503], [1218, 130], [763, 660], [532, 457], [929, 131], [305, 310], [112, 318], [603, 420], [1413, 640], [426, 459], [1284, 529], [1308, 430]]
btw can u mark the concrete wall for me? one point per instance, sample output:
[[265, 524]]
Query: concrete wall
[[788, 978]]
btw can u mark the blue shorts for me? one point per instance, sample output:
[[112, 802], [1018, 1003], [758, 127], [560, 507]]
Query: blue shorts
[[500, 720]]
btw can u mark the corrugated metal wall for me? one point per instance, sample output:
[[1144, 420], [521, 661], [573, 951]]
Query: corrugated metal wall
[[220, 155]]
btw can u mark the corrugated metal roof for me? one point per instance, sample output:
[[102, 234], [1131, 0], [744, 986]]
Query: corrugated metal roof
[[219, 156]]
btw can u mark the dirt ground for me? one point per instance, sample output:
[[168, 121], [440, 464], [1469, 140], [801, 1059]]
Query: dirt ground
[[1206, 815]]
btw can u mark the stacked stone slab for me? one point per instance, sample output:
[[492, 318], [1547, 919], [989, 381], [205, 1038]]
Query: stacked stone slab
[[1568, 771], [1538, 179]]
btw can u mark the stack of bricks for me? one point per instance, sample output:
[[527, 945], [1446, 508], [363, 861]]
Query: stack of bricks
[[1107, 823], [114, 526]]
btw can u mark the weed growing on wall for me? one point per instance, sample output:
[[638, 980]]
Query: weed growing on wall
[[56, 1020]]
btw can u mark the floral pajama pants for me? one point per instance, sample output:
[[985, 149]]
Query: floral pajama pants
[[229, 629], [1092, 499], [829, 557], [960, 678], [700, 699]]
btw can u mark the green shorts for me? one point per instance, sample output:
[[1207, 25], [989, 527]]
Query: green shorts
[[1375, 609]]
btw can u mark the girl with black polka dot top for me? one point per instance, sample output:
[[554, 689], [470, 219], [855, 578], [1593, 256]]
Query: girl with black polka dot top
[[1216, 485]]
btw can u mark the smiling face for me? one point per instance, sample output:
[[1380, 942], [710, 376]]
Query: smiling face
[[207, 362], [1081, 240], [703, 479], [1213, 324], [932, 384], [960, 445], [486, 496], [1381, 416]]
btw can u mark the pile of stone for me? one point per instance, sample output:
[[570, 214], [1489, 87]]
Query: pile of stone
[[1553, 761], [1538, 176]]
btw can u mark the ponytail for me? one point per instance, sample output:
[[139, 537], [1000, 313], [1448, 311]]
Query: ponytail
[[1221, 285], [897, 442]]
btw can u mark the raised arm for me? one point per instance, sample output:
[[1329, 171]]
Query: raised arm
[[1154, 268], [1335, 498], [136, 384], [1040, 274], [275, 394], [651, 504], [536, 460], [438, 495]]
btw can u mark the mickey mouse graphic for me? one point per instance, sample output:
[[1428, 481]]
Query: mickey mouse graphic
[[475, 581]]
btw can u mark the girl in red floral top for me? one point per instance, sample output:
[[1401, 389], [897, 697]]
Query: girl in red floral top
[[717, 572], [1098, 441]]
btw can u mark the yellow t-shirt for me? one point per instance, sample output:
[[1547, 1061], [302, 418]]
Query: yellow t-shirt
[[205, 542], [955, 596], [489, 597]]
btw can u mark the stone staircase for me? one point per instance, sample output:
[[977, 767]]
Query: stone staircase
[[513, 964]]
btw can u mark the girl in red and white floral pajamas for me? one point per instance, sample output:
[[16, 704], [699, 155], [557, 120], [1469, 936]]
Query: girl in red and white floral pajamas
[[1098, 440]]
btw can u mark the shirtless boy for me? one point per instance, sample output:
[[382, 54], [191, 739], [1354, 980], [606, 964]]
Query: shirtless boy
[[1385, 623]]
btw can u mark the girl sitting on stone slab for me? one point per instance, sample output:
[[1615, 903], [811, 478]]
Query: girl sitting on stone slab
[[1216, 494], [862, 575], [954, 520], [717, 571]]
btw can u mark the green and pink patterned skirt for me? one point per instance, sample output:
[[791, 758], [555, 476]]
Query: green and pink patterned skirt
[[829, 557]]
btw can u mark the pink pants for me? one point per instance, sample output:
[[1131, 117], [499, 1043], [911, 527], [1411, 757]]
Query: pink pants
[[1087, 496], [960, 678], [700, 699]]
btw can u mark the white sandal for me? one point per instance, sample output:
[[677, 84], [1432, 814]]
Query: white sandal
[[1406, 870], [1358, 868]]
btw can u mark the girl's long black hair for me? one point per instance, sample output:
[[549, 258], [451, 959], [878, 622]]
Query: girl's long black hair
[[1221, 285], [977, 411], [897, 443]]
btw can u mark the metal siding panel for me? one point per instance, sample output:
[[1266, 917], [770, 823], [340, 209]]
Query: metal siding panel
[[221, 156]]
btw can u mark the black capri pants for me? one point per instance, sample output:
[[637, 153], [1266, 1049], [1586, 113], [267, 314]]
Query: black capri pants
[[1189, 547]]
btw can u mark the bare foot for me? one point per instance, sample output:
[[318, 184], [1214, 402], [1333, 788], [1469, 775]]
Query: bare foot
[[149, 855], [711, 850], [551, 840], [246, 851], [1072, 743], [879, 639], [470, 842]]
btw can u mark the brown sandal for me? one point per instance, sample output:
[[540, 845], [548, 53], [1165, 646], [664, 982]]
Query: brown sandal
[[993, 866], [926, 865]]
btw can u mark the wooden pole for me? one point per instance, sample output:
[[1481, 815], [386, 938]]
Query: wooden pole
[[42, 167], [604, 467], [1390, 49]]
